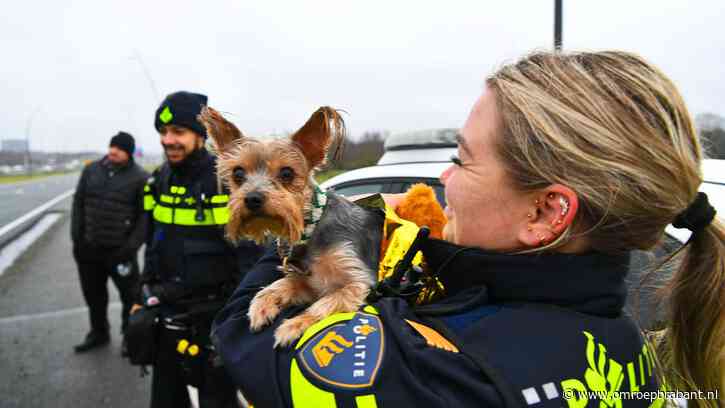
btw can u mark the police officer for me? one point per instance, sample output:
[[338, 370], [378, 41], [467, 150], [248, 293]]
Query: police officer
[[190, 268], [564, 166], [107, 229]]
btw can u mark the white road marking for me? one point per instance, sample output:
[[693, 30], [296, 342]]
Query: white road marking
[[55, 314]]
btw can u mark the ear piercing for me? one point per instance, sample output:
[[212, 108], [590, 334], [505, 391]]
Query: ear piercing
[[563, 202], [564, 205]]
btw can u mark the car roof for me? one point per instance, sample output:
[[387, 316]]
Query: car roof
[[428, 155], [422, 139]]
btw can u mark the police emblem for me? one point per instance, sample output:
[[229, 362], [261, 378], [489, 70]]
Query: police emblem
[[345, 354]]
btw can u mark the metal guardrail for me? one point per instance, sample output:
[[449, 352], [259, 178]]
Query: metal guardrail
[[11, 231]]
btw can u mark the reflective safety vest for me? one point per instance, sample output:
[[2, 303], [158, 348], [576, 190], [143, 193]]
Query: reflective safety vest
[[178, 206], [186, 243]]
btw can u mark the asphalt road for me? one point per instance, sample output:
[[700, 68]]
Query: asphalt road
[[42, 315], [16, 199]]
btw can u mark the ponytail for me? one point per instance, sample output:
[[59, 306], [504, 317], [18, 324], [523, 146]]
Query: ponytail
[[694, 348]]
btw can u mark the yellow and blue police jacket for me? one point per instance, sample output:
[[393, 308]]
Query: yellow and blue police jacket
[[512, 330]]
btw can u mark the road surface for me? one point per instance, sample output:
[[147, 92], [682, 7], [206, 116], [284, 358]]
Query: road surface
[[42, 315]]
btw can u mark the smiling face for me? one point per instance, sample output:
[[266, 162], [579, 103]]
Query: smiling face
[[179, 142], [483, 209]]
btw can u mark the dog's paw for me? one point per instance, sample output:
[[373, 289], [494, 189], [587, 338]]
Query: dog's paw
[[263, 309], [291, 330]]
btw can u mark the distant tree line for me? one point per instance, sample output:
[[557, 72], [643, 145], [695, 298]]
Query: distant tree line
[[18, 158], [361, 152], [712, 134]]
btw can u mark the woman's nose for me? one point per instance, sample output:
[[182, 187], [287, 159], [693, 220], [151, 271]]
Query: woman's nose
[[446, 173]]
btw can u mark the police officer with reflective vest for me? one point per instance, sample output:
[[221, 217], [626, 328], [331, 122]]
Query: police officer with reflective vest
[[532, 271], [190, 269]]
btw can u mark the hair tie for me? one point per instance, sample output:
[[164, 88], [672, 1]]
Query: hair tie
[[697, 216]]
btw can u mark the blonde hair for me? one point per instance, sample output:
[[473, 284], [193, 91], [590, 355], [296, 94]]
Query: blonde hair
[[615, 130]]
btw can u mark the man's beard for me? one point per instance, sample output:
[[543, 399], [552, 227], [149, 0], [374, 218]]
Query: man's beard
[[177, 148]]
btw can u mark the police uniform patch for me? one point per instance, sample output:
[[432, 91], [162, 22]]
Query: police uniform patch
[[345, 355]]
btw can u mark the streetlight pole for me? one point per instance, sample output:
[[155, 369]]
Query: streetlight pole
[[28, 158], [557, 24], [137, 56]]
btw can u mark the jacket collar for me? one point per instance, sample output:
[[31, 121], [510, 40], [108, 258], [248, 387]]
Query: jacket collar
[[590, 283]]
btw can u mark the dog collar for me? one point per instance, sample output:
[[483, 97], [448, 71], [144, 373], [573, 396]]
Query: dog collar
[[314, 213], [312, 217]]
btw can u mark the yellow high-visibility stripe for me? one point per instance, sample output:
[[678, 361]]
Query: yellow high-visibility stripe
[[187, 216], [148, 202], [220, 199], [366, 401], [169, 199], [370, 309], [304, 394], [221, 215], [178, 190]]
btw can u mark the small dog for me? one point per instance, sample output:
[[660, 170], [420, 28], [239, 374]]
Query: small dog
[[330, 246]]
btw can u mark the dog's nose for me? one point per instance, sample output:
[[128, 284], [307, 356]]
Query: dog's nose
[[254, 201]]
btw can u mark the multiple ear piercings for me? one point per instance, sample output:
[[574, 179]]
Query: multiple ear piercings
[[564, 204]]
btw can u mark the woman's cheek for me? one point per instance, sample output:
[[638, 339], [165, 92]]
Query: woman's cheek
[[449, 231]]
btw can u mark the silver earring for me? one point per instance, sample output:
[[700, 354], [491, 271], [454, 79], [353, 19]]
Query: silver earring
[[564, 206]]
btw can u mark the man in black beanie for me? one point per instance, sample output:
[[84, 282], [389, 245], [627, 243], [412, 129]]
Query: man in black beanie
[[181, 134], [107, 228], [190, 269]]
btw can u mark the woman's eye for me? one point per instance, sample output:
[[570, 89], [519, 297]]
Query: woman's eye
[[455, 160], [239, 175], [286, 174]]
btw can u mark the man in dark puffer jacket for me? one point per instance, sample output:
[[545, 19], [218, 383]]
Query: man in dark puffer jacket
[[107, 230]]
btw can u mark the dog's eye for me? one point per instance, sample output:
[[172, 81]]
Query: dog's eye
[[286, 174], [239, 175]]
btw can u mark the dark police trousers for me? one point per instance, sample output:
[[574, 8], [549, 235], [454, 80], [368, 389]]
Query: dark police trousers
[[168, 387], [94, 276]]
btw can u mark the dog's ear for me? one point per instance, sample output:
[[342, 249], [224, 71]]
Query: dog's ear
[[223, 132], [324, 127]]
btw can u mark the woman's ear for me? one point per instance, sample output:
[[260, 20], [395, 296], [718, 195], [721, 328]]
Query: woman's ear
[[552, 211]]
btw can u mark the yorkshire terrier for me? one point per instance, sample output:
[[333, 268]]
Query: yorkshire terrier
[[329, 245]]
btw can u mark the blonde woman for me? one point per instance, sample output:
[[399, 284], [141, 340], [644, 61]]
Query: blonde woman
[[567, 162]]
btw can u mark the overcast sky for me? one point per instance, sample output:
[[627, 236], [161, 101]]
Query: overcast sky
[[393, 65]]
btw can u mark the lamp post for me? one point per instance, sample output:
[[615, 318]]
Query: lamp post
[[557, 24], [137, 56], [28, 158]]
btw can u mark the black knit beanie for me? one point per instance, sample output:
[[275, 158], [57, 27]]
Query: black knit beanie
[[125, 142], [181, 108]]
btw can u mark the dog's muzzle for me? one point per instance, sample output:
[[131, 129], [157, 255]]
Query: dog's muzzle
[[254, 201]]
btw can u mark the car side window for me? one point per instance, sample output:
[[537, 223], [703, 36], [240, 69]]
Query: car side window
[[356, 189]]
